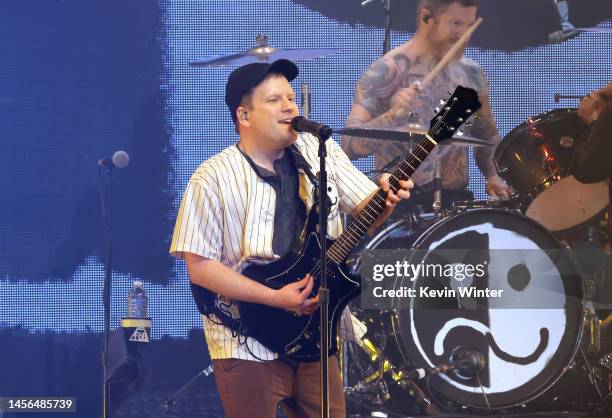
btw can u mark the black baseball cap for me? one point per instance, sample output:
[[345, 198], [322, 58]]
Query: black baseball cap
[[244, 79]]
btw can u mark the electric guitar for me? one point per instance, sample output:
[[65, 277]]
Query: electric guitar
[[296, 336]]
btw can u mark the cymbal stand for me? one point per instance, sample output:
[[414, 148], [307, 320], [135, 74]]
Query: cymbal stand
[[387, 41]]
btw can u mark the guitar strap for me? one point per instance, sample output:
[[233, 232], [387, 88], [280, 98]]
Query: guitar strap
[[302, 164]]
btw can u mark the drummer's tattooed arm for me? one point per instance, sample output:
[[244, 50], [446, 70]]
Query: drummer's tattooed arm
[[371, 103], [484, 126]]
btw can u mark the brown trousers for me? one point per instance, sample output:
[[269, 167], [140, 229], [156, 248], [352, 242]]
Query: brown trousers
[[251, 389]]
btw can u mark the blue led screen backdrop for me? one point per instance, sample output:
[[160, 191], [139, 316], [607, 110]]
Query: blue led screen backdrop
[[84, 79]]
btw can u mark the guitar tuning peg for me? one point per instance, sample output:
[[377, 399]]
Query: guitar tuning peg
[[450, 93], [442, 101], [468, 124], [437, 110]]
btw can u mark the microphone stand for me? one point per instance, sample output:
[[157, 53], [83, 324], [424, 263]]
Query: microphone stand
[[105, 196], [323, 290], [387, 41]]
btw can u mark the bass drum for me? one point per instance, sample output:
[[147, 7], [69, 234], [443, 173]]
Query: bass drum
[[525, 350]]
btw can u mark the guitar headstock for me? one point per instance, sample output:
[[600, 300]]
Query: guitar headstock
[[462, 105]]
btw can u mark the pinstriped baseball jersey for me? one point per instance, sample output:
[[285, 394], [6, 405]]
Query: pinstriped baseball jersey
[[227, 214]]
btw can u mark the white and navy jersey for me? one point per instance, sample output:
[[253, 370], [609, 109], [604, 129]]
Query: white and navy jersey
[[227, 214]]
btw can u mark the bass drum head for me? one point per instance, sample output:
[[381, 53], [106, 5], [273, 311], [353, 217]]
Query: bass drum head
[[525, 350]]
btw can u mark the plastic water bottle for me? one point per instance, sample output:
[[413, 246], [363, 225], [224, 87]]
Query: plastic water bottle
[[138, 303]]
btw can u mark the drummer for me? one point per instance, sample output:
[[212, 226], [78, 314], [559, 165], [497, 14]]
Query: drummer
[[387, 97], [593, 157]]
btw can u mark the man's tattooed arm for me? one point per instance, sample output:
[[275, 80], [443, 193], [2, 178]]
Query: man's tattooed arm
[[484, 127], [371, 103]]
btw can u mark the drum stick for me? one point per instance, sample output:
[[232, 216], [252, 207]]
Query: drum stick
[[450, 54]]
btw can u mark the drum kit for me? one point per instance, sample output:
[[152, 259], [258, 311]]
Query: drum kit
[[511, 361], [523, 360]]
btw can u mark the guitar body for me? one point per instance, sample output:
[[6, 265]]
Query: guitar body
[[283, 331]]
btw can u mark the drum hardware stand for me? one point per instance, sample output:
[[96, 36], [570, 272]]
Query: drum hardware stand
[[593, 328], [591, 322], [437, 194], [606, 361], [388, 15], [382, 362], [305, 89], [381, 387], [166, 405], [591, 373], [376, 379]]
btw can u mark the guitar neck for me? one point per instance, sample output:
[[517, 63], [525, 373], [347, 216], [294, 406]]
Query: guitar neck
[[358, 229]]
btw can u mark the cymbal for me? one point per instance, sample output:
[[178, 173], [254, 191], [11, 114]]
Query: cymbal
[[411, 135], [263, 52]]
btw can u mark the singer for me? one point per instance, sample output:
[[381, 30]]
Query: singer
[[249, 204], [387, 96]]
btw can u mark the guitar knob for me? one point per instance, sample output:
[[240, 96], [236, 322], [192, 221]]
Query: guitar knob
[[294, 350]]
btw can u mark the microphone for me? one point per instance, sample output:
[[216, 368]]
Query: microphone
[[467, 362], [120, 159], [301, 124], [418, 374], [562, 36]]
